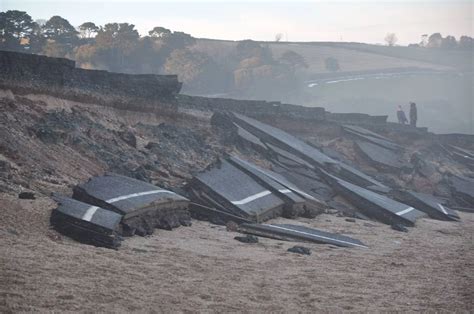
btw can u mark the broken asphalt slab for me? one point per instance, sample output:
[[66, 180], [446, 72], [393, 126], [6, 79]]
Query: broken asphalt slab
[[374, 205], [143, 205], [86, 223], [290, 232], [229, 189], [426, 203], [381, 158]]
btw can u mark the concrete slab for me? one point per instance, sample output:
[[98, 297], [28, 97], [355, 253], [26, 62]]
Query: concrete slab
[[86, 223], [290, 232]]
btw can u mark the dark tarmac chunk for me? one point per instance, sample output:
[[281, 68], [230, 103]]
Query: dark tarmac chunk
[[362, 131], [294, 203], [428, 204], [86, 223], [144, 206], [375, 140], [381, 158], [229, 189], [375, 205], [308, 183], [299, 233], [284, 140], [463, 190], [299, 250]]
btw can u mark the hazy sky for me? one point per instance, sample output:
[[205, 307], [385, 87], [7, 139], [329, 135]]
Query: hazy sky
[[361, 21]]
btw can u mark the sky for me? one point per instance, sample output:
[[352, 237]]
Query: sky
[[358, 21]]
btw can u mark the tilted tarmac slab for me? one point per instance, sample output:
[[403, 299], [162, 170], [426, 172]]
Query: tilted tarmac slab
[[363, 131], [289, 232], [86, 223], [284, 140], [377, 141], [237, 192], [381, 158], [298, 202], [125, 195], [428, 204], [144, 206], [308, 182], [279, 141], [463, 190], [379, 207]]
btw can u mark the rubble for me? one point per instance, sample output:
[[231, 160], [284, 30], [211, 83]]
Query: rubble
[[299, 250]]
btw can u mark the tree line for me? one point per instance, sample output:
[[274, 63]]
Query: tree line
[[118, 47]]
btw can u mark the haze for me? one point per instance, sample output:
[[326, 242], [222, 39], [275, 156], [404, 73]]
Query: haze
[[352, 21]]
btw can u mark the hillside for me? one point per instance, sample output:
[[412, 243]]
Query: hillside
[[355, 56]]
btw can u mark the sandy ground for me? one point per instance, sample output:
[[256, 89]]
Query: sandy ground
[[202, 268]]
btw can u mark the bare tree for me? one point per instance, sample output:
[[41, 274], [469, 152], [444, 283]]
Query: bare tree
[[391, 39], [278, 37]]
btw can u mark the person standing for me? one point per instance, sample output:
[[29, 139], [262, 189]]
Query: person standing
[[402, 118], [413, 114]]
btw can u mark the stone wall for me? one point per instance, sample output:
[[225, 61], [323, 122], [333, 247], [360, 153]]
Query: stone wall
[[29, 73]]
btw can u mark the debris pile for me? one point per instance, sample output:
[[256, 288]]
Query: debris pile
[[110, 206]]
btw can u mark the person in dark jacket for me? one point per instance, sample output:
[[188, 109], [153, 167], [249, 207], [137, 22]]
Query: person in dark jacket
[[413, 114], [402, 118]]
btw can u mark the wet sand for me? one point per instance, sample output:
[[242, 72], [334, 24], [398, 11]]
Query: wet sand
[[202, 268]]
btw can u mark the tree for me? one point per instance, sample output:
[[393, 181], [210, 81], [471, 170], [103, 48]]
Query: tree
[[88, 29], [332, 64], [466, 42], [60, 30], [159, 32], [115, 43], [424, 40], [14, 27], [293, 59], [197, 71], [391, 39], [278, 37], [434, 41], [449, 42]]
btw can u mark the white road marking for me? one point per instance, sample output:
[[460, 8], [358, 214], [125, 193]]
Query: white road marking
[[285, 191], [89, 213], [91, 210], [124, 197], [443, 209], [403, 212], [252, 198], [314, 235]]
